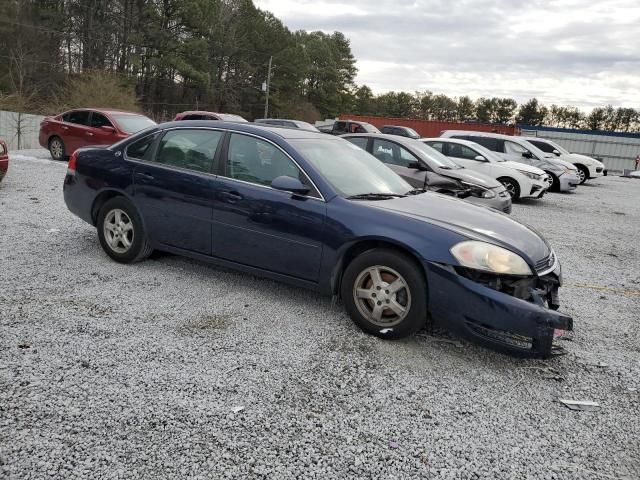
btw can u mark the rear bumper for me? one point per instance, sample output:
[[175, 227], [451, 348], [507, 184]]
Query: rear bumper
[[79, 200], [595, 172], [496, 319]]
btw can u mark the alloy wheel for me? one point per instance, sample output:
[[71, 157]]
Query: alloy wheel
[[382, 296], [56, 149], [582, 175], [510, 187], [118, 231]]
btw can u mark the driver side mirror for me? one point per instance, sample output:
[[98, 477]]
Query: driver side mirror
[[107, 128], [556, 153], [480, 158], [527, 154], [418, 166], [290, 184]]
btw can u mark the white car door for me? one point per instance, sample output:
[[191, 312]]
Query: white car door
[[469, 158]]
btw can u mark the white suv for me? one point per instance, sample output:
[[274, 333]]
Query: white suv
[[520, 180], [563, 175], [587, 167]]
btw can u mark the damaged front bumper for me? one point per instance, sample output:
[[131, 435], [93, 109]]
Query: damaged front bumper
[[516, 315]]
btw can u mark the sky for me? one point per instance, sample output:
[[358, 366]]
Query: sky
[[568, 52]]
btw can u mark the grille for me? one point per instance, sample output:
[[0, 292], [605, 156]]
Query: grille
[[546, 263]]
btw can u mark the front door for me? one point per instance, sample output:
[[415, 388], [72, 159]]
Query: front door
[[74, 130], [259, 226], [174, 187], [101, 131]]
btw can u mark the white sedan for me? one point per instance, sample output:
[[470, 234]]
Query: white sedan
[[520, 180]]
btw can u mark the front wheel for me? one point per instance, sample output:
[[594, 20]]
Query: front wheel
[[121, 233], [583, 173], [385, 293], [554, 184], [512, 188]]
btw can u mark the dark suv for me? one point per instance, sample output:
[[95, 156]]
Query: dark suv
[[400, 131]]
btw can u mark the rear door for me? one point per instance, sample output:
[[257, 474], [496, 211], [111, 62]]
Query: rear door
[[259, 226], [174, 186]]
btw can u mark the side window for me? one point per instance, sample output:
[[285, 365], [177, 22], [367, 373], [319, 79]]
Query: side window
[[194, 117], [487, 142], [513, 148], [544, 146], [439, 146], [386, 130], [78, 117], [392, 153], [359, 141], [253, 160], [190, 149], [142, 149], [98, 120], [341, 127], [462, 151]]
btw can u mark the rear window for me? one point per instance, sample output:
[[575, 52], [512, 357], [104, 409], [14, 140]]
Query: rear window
[[493, 144], [133, 123], [77, 117]]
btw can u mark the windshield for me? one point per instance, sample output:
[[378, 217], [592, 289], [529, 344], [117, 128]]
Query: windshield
[[488, 154], [306, 126], [369, 128], [412, 132], [349, 169], [433, 157], [133, 123], [228, 117]]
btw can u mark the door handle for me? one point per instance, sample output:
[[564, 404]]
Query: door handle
[[146, 176], [231, 196], [90, 134], [65, 128]]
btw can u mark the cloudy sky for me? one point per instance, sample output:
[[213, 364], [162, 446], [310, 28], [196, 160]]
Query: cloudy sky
[[571, 52]]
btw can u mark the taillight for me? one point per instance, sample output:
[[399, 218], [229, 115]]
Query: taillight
[[71, 166]]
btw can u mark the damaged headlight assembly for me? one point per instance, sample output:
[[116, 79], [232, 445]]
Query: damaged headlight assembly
[[490, 258], [478, 191]]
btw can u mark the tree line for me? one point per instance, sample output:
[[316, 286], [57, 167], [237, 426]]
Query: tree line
[[167, 56]]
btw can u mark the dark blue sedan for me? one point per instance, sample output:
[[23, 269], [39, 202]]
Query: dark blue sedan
[[316, 211]]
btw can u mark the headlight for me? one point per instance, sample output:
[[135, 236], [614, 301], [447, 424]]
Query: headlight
[[490, 258], [532, 176], [478, 191]]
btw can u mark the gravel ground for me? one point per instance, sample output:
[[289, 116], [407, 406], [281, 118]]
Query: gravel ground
[[176, 369]]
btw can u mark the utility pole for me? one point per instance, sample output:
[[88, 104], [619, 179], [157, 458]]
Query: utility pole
[[266, 104]]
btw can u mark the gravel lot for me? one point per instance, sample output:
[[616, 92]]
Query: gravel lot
[[176, 369]]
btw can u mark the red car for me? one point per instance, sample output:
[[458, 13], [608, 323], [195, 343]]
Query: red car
[[4, 159], [83, 127], [198, 115]]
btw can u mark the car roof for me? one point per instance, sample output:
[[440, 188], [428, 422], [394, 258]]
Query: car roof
[[385, 136], [198, 112], [468, 143], [285, 133], [395, 126], [107, 111], [481, 134]]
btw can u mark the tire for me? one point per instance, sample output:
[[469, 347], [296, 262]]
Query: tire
[[399, 314], [121, 232], [583, 173], [56, 148], [512, 187], [555, 183]]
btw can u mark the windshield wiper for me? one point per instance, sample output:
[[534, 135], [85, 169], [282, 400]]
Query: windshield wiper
[[445, 167], [416, 191], [375, 196]]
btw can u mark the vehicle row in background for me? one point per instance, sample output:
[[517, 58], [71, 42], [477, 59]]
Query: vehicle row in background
[[342, 127], [285, 122], [563, 175], [202, 115]]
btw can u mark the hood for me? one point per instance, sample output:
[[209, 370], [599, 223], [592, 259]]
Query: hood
[[471, 221], [522, 166], [556, 164], [469, 176], [584, 159]]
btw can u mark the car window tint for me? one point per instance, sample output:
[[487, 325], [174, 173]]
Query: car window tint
[[99, 120], [514, 148], [387, 130], [392, 153], [487, 142], [439, 146], [253, 160], [461, 151], [359, 141], [142, 149], [77, 117], [544, 146], [341, 127], [190, 149]]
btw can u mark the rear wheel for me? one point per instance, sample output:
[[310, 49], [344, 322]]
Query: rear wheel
[[385, 293], [56, 148], [121, 233], [583, 173], [512, 187]]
